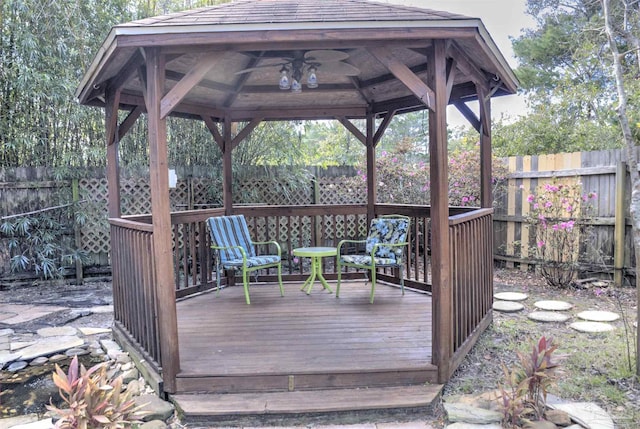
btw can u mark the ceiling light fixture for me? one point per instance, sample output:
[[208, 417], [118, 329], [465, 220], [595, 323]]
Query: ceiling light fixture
[[292, 79]]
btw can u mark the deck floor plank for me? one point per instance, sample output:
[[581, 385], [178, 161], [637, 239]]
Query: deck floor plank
[[221, 336]]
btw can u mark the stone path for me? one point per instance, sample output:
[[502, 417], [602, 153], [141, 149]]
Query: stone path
[[594, 321]]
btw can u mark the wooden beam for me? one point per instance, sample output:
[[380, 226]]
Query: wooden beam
[[227, 172], [383, 126], [114, 209], [182, 88], [161, 221], [142, 75], [213, 128], [404, 74], [352, 128], [245, 132], [486, 196], [128, 122], [242, 79], [128, 71], [466, 66], [440, 246], [372, 182], [451, 77], [468, 114]]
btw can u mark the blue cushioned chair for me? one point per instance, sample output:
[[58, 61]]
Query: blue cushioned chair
[[230, 238], [385, 247]]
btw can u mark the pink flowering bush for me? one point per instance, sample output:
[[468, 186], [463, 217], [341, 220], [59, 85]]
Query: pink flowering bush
[[556, 213]]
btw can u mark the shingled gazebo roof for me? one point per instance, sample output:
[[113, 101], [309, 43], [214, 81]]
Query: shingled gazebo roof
[[253, 34]]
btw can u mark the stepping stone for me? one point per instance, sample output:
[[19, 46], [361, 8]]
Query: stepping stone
[[507, 306], [17, 345], [548, 316], [50, 345], [592, 327], [553, 305], [587, 414], [102, 309], [599, 316], [57, 331], [511, 296], [94, 331]]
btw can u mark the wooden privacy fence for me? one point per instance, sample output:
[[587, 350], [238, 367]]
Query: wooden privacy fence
[[608, 248]]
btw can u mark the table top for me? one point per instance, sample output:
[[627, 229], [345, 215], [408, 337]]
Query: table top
[[315, 251]]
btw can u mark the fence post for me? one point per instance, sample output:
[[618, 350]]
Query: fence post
[[620, 226], [75, 192]]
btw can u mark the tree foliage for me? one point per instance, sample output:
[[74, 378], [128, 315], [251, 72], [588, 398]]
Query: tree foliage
[[565, 73]]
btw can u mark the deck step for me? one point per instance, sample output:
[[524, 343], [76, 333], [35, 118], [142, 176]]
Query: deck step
[[318, 405]]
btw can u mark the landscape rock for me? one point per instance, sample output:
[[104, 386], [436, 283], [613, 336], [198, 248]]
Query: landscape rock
[[587, 414], [154, 424], [11, 422], [541, 424], [156, 408], [57, 331], [50, 345], [94, 331], [462, 425], [458, 412], [76, 351], [58, 358], [559, 417], [39, 424], [130, 375], [6, 357]]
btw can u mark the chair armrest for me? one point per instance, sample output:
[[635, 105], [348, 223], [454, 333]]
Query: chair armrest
[[275, 243], [342, 242], [244, 253]]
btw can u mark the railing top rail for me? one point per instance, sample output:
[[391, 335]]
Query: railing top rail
[[465, 217], [130, 224]]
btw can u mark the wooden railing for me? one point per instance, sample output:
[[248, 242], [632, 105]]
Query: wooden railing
[[470, 230], [134, 294], [471, 244]]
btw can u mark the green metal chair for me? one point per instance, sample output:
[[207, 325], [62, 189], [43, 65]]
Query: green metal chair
[[231, 240], [385, 247]]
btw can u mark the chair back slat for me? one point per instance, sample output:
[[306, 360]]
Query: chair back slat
[[388, 230], [231, 231]]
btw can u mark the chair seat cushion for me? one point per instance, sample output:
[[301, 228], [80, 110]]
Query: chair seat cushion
[[366, 260], [254, 261]]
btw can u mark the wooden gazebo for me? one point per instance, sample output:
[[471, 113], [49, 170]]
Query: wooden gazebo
[[222, 65]]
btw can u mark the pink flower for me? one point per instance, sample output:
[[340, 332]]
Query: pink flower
[[530, 198], [593, 195], [540, 243], [296, 260], [465, 199], [569, 208], [536, 206], [521, 186], [570, 224], [548, 204], [555, 227]]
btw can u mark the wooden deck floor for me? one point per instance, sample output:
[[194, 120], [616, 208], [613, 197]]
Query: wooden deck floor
[[303, 342]]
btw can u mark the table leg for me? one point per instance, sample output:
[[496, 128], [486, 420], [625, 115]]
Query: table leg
[[316, 269]]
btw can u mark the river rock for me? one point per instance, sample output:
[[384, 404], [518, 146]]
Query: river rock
[[156, 408], [559, 417], [130, 375], [540, 424], [58, 358], [76, 351], [39, 361], [17, 366], [458, 412]]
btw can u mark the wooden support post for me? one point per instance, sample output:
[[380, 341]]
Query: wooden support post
[[75, 194], [113, 163], [161, 219], [486, 196], [440, 258], [620, 225], [227, 172], [372, 191]]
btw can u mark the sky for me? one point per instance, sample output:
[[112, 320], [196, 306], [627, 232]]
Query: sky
[[503, 19]]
